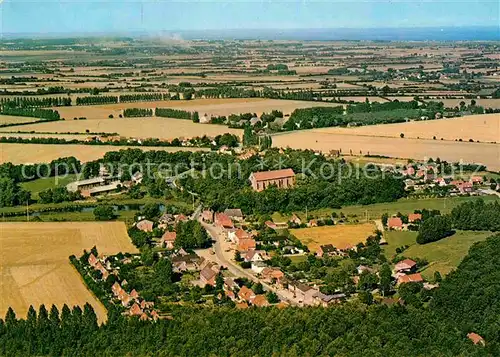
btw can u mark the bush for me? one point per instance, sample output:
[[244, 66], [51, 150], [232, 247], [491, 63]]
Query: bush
[[434, 229]]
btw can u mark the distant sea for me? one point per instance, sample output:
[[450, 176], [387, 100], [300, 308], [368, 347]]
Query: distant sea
[[349, 34]]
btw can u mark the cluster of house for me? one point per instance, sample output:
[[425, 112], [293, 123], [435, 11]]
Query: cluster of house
[[426, 177], [168, 238], [132, 301], [405, 272], [340, 249], [396, 223]]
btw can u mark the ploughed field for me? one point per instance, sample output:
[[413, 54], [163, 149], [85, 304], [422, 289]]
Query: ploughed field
[[35, 267]]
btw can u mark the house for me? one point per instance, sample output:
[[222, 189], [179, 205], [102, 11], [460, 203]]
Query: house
[[167, 218], [303, 292], [180, 218], [414, 217], [254, 121], [92, 260], [155, 315], [254, 255], [207, 216], [476, 180], [271, 224], [134, 294], [239, 234], [189, 262], [145, 225], [405, 266], [234, 214], [395, 223], [327, 249], [324, 300], [147, 304], [272, 275], [465, 187], [246, 244], [295, 220], [245, 294], [242, 305], [135, 310], [476, 339], [168, 239], [223, 221], [116, 288], [230, 284], [312, 223], [258, 266], [412, 278], [281, 178], [343, 249], [208, 274], [260, 301]]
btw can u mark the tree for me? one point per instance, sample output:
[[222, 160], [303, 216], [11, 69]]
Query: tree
[[104, 213], [385, 218], [272, 298], [434, 229], [147, 256], [163, 271], [366, 297], [151, 210], [258, 288], [237, 256], [402, 135], [385, 279]]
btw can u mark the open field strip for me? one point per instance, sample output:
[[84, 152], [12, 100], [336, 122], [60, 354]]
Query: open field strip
[[338, 235], [203, 106], [34, 264], [484, 127], [42, 153], [11, 119], [418, 149], [154, 127]]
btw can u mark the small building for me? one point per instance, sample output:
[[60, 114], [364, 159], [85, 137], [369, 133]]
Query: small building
[[245, 245], [395, 223], [246, 294], [295, 219], [239, 234], [414, 217], [259, 301], [207, 216], [405, 266], [234, 214], [272, 275], [411, 278], [223, 221], [254, 255], [476, 339], [263, 179], [327, 249], [208, 275], [145, 225], [168, 239]]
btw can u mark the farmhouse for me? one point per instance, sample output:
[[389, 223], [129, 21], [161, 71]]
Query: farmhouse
[[223, 221], [412, 278], [395, 223], [85, 184], [405, 266], [145, 225], [413, 217], [99, 190], [263, 179]]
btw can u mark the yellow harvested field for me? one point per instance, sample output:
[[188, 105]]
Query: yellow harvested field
[[44, 153], [10, 119], [339, 235], [483, 128], [203, 106], [419, 149], [161, 128], [34, 264]]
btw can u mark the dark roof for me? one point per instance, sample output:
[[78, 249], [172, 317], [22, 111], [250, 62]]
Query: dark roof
[[327, 248]]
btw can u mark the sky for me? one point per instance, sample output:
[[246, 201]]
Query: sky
[[154, 16]]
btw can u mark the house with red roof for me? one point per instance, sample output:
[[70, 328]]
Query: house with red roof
[[411, 278], [476, 339], [245, 245], [395, 223], [413, 217], [145, 225], [405, 266], [135, 310], [168, 239], [246, 294], [259, 301], [223, 221], [281, 178]]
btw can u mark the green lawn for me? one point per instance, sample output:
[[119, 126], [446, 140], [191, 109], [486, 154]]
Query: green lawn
[[43, 184], [443, 255]]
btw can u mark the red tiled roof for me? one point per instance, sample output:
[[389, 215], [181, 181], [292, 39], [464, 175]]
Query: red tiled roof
[[394, 222], [245, 293], [273, 175], [412, 217], [475, 338], [246, 244], [259, 300], [169, 237], [412, 278]]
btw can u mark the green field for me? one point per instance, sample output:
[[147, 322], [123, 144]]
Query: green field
[[43, 184], [375, 211], [443, 255]]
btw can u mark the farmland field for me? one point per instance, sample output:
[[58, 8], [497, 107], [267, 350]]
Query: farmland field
[[162, 128], [34, 264], [41, 153], [485, 128], [203, 106], [11, 119], [443, 255], [419, 149], [336, 235]]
